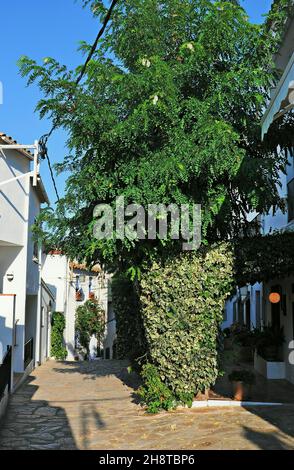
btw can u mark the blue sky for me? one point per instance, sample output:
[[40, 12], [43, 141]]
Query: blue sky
[[42, 28]]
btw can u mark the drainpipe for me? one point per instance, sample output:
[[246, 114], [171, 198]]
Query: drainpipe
[[12, 348], [66, 296], [39, 307]]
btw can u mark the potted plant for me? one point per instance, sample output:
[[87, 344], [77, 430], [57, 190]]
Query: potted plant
[[79, 295], [242, 380], [92, 295], [269, 342]]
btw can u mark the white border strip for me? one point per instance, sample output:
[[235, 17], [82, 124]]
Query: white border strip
[[219, 403]]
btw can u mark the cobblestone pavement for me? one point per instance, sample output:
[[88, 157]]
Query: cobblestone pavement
[[89, 406]]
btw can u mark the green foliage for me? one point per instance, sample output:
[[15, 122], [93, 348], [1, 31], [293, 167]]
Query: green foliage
[[154, 393], [130, 333], [57, 343], [90, 320], [245, 376], [241, 334], [182, 303], [172, 115], [262, 258], [268, 342]]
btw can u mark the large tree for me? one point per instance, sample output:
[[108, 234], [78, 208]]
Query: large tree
[[168, 111]]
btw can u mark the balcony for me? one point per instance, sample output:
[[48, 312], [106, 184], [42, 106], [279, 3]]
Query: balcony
[[283, 98]]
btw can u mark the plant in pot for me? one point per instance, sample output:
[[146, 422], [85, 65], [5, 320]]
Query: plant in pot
[[269, 342], [79, 295], [241, 338], [242, 381]]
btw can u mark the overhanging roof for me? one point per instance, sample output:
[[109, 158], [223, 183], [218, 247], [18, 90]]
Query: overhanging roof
[[7, 140], [41, 191], [283, 99]]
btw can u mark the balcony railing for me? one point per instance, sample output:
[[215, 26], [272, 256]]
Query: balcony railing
[[5, 372], [28, 352]]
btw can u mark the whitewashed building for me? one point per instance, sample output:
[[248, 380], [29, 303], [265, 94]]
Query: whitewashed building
[[251, 305], [73, 284], [25, 301]]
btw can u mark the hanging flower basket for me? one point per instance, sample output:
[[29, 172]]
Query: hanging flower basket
[[92, 296], [79, 296]]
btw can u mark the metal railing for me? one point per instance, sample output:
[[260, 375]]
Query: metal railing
[[28, 352], [5, 372]]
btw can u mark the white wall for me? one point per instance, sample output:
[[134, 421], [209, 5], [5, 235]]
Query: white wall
[[55, 273], [19, 205], [14, 198], [13, 260], [33, 275], [62, 283], [110, 331], [6, 323], [228, 318], [47, 307]]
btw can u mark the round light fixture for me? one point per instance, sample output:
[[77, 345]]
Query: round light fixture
[[274, 298]]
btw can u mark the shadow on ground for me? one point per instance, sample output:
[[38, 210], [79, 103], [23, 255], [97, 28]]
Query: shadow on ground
[[105, 368], [280, 423], [88, 405], [34, 424]]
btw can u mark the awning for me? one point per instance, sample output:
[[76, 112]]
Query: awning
[[283, 99]]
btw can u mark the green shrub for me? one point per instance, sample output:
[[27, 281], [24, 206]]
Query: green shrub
[[268, 342], [182, 304], [57, 344], [129, 327], [90, 320], [245, 376], [154, 393]]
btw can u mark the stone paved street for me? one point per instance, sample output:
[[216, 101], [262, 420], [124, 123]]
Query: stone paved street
[[88, 406]]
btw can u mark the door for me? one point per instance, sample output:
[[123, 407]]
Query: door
[[276, 309]]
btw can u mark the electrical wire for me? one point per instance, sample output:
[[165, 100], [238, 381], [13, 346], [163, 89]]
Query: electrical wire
[[95, 44]]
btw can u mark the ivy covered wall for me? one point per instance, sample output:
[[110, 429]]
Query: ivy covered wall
[[182, 304]]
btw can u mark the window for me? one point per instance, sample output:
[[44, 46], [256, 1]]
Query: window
[[291, 200], [235, 311], [257, 309], [43, 316], [77, 283], [36, 252]]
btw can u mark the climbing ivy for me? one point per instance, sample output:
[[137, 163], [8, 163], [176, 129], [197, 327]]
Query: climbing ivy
[[58, 351], [182, 304], [262, 258], [130, 332], [90, 320]]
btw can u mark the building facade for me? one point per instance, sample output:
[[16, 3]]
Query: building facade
[[25, 301], [251, 306], [73, 284]]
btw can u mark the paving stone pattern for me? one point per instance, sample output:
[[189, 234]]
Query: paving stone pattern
[[90, 406]]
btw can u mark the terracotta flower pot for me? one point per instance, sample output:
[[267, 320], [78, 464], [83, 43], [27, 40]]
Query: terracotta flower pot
[[240, 391], [202, 396], [79, 296]]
